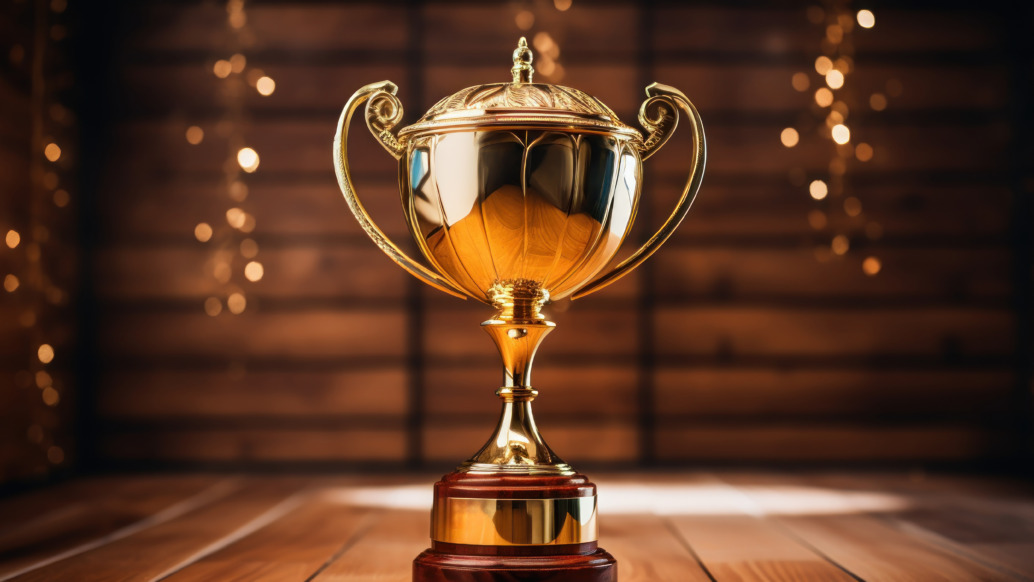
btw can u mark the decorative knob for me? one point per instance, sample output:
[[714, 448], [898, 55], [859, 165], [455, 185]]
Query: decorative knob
[[522, 57]]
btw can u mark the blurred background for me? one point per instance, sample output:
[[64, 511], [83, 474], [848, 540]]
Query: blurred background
[[184, 287]]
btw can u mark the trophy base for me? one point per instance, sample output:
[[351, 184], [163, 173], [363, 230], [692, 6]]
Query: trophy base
[[436, 566], [499, 527]]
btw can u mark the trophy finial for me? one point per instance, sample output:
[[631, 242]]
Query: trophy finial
[[522, 57]]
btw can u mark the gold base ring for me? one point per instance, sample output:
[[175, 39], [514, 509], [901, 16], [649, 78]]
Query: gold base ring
[[514, 522]]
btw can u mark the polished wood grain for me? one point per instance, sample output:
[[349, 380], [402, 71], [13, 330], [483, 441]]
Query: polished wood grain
[[677, 527]]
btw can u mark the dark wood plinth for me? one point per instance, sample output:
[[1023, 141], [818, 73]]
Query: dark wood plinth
[[432, 566], [444, 562]]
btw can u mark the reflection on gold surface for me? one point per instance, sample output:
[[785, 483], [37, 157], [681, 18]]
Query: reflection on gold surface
[[514, 522]]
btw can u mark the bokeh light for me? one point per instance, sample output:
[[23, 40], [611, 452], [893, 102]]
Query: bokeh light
[[195, 135], [863, 152], [789, 137], [203, 232], [878, 101], [852, 206], [835, 79], [840, 245], [11, 283], [213, 306], [222, 68], [800, 82], [818, 189], [525, 19], [52, 152], [253, 271], [841, 134], [45, 353], [871, 266], [12, 239], [823, 65], [866, 19], [236, 303], [248, 159], [265, 86], [824, 97]]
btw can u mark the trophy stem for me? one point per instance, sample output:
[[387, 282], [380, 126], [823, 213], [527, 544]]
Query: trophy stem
[[518, 328]]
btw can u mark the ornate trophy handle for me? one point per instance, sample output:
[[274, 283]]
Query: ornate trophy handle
[[383, 112], [659, 115]]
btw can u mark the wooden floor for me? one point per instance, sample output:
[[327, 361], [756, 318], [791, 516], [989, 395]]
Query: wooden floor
[[678, 527]]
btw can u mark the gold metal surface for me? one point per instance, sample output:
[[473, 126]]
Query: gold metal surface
[[514, 522], [517, 194]]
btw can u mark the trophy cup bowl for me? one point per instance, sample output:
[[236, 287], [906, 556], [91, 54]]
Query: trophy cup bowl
[[517, 194]]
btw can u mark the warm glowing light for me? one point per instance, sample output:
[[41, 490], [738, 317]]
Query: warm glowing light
[[11, 283], [249, 223], [835, 33], [525, 19], [834, 118], [852, 206], [543, 42], [817, 219], [55, 455], [195, 135], [253, 271], [203, 231], [835, 79], [818, 189], [248, 159], [840, 244], [43, 379], [871, 266], [45, 353], [238, 19], [841, 134], [221, 272], [52, 152], [823, 65], [249, 248], [51, 396], [789, 137], [236, 303], [265, 86], [837, 167], [61, 198], [863, 152], [238, 191], [546, 66], [800, 81], [13, 238], [222, 68], [824, 97], [866, 19], [213, 306], [235, 217], [877, 101], [238, 62], [562, 5]]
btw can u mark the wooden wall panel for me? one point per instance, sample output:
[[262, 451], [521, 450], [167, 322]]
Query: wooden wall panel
[[735, 344]]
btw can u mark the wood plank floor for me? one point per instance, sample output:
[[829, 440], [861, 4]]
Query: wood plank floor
[[727, 526]]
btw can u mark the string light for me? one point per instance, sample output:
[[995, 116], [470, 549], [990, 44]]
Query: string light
[[871, 266], [13, 239], [52, 152], [45, 353], [233, 257]]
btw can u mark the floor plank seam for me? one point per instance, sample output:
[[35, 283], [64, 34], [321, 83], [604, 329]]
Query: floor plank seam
[[368, 523], [757, 511], [946, 546], [205, 497], [267, 517], [689, 548]]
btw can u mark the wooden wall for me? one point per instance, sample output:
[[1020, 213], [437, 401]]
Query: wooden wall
[[735, 344]]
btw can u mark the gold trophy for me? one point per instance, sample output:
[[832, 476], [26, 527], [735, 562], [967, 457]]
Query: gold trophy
[[517, 194]]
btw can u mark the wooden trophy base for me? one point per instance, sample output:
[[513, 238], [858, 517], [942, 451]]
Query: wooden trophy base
[[551, 561]]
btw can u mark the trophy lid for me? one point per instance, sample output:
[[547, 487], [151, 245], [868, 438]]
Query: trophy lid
[[520, 104]]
